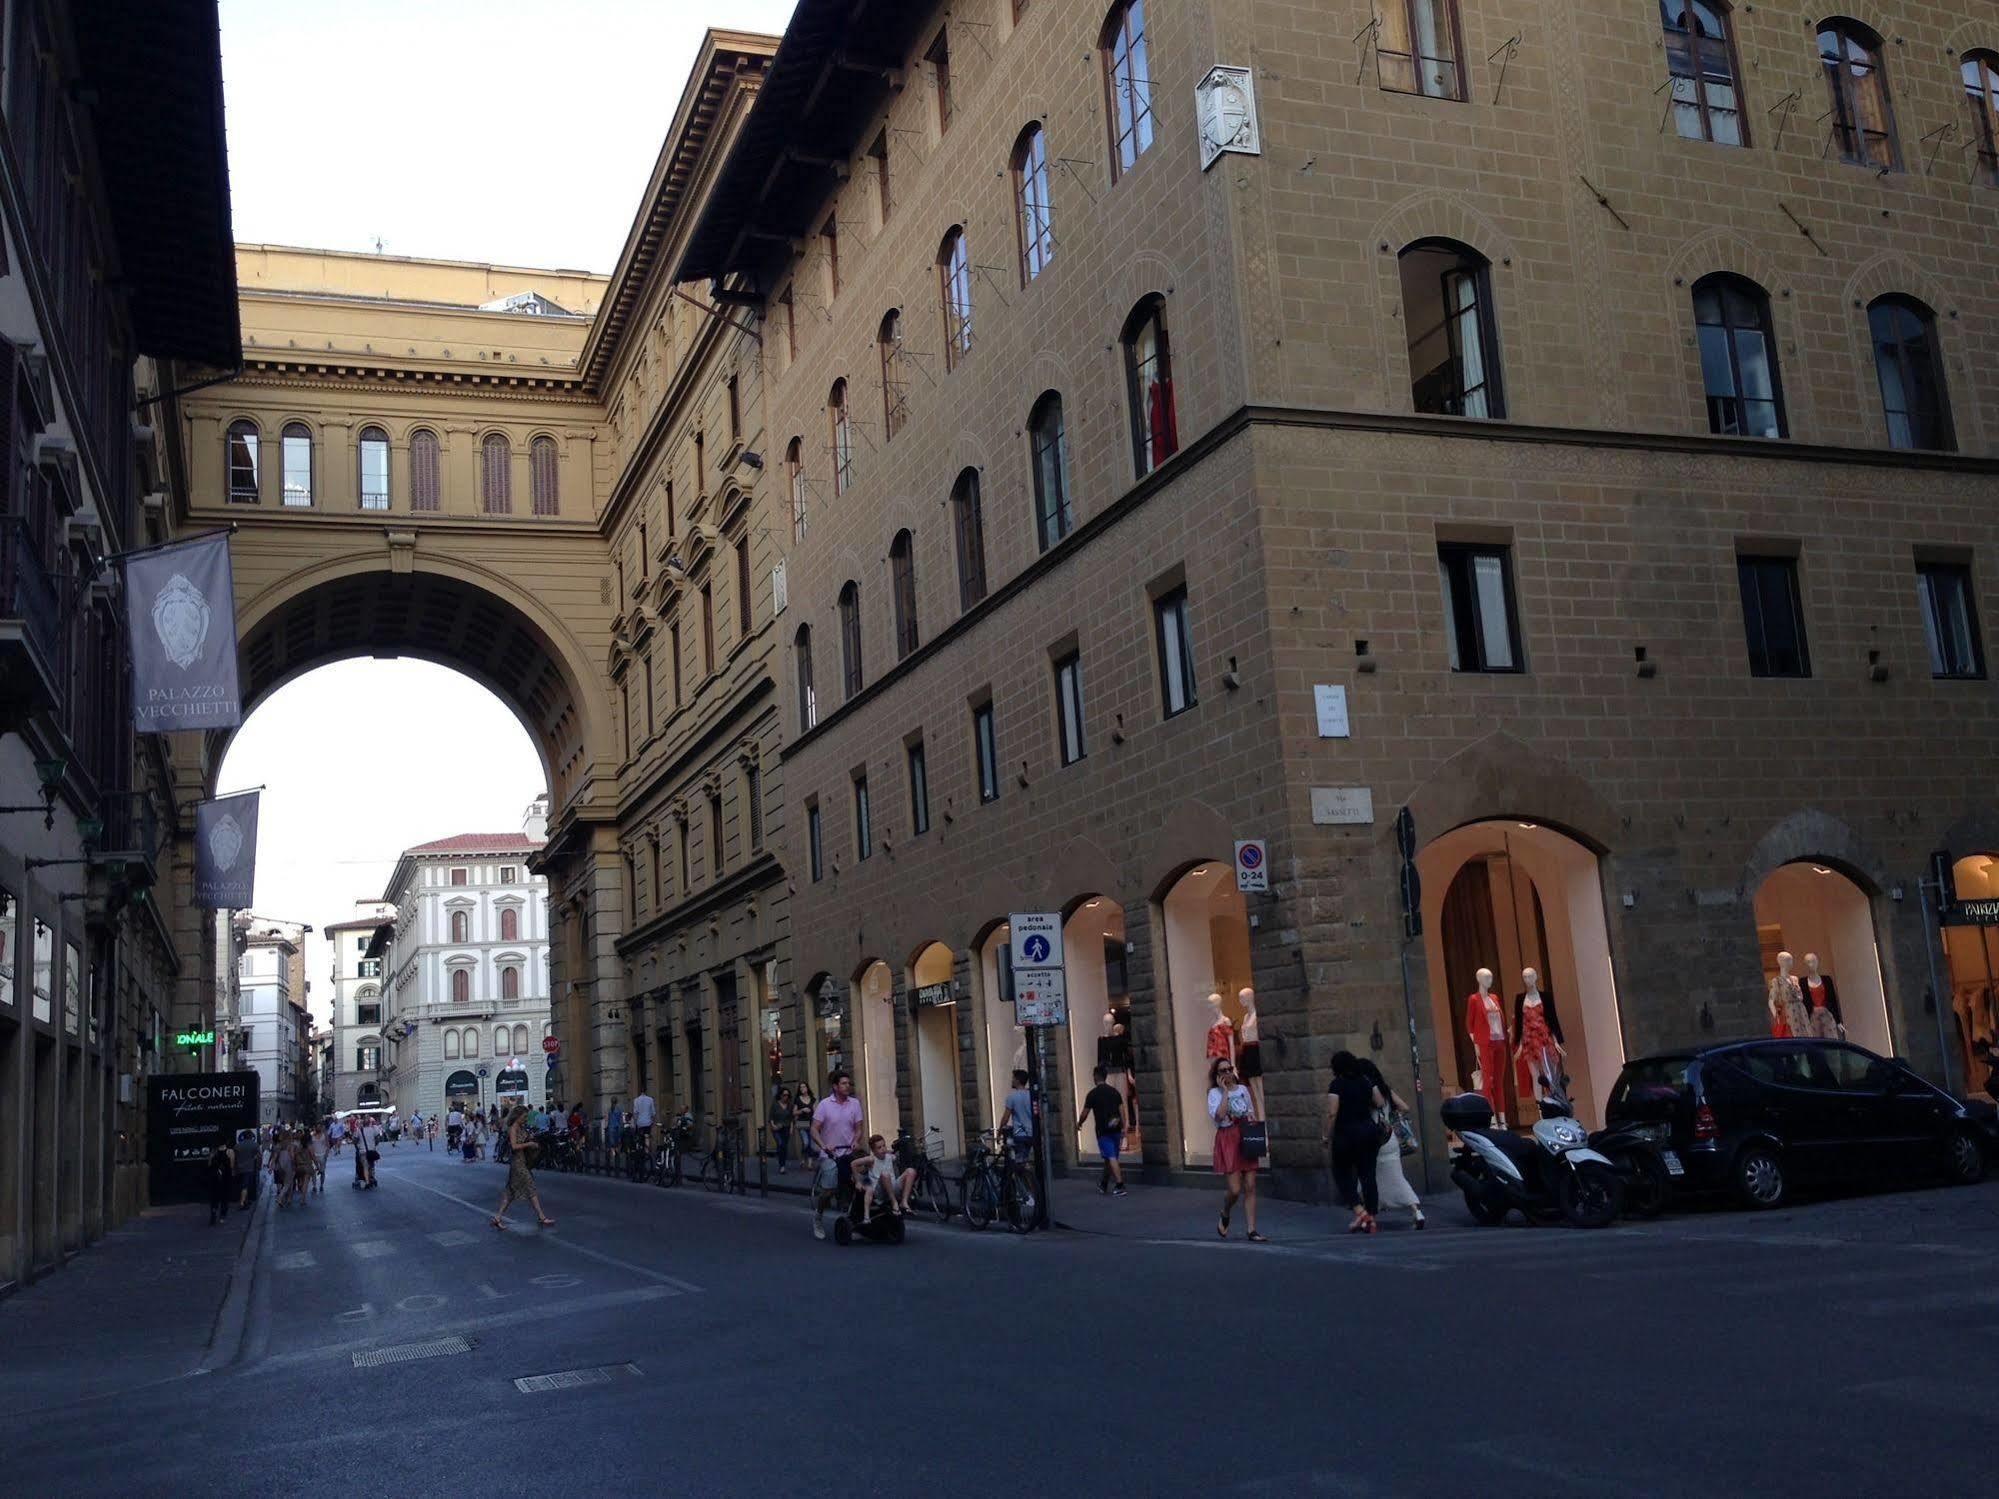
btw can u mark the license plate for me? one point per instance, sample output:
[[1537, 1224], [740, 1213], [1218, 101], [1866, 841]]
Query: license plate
[[1673, 1166]]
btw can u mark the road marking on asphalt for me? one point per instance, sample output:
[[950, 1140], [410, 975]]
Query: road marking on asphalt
[[1321, 1256], [1954, 1299], [451, 1237], [571, 1245], [297, 1259], [370, 1249]]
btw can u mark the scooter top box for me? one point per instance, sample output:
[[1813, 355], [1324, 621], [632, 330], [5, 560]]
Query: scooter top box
[[1466, 1111]]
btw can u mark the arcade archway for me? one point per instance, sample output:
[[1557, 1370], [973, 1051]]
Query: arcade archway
[[1206, 927], [1971, 961], [871, 1013], [1509, 895], [1099, 989], [1005, 1042], [1825, 920], [934, 1034]]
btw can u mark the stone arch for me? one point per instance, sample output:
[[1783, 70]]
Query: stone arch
[[1722, 250], [1971, 36], [1502, 776], [1818, 836], [1431, 214], [1083, 867], [1191, 832], [1142, 274]]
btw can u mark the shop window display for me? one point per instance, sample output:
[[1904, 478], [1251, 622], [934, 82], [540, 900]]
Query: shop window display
[[1207, 959], [1812, 910], [1099, 992], [873, 1011], [936, 1047], [1971, 954]]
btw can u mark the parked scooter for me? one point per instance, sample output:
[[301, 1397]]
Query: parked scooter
[[1549, 1176], [1645, 1167]]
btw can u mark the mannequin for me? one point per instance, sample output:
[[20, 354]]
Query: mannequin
[[1537, 1056], [1113, 1048], [1787, 1002], [1822, 1002], [1221, 1031], [1249, 1052], [1485, 1023]]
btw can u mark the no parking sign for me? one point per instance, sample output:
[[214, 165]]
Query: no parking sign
[[1252, 865]]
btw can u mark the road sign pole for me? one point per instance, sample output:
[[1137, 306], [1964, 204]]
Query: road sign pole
[[1034, 1092], [1416, 1073]]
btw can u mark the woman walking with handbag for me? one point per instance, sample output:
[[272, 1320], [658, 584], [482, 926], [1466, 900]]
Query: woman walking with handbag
[[1354, 1133], [520, 1179], [1230, 1107], [1390, 1184]]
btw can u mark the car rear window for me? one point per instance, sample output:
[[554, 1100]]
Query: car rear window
[[1656, 1080]]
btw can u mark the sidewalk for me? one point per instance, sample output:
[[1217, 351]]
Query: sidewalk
[[140, 1306], [1189, 1213]]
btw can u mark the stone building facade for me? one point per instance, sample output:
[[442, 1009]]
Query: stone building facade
[[274, 1027], [355, 1029], [1388, 473], [466, 996]]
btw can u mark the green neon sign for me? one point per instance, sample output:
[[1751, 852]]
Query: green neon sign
[[194, 1038]]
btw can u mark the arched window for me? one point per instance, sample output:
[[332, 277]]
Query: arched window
[[500, 1037], [1738, 357], [1127, 84], [850, 637], [1453, 342], [450, 1043], [424, 487], [1417, 50], [243, 463], [496, 475], [1148, 373], [902, 574], [295, 461], [471, 1036], [895, 394], [461, 986], [510, 924], [843, 437], [460, 922], [1033, 205], [954, 289], [1863, 121], [543, 496], [1981, 96], [1700, 62], [1054, 515], [794, 480], [1909, 364], [968, 523], [801, 660], [520, 1039], [374, 456]]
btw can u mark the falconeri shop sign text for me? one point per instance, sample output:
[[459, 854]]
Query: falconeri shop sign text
[[188, 1114]]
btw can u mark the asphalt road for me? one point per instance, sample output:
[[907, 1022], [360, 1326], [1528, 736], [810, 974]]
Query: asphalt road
[[1837, 1348]]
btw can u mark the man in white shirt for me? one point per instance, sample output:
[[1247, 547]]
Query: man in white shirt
[[454, 1127], [367, 1141], [642, 1116]]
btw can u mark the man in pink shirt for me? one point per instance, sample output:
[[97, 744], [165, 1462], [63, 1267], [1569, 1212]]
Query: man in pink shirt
[[836, 1130]]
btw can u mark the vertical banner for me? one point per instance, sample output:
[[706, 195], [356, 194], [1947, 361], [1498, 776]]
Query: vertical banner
[[225, 852], [181, 609]]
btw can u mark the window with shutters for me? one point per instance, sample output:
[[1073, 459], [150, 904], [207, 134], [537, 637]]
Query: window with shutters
[[801, 660], [939, 58], [1048, 443], [829, 253], [496, 475], [658, 876], [850, 638], [471, 1035], [1700, 67], [295, 463], [520, 1038], [969, 528], [1127, 84], [954, 281], [461, 926], [878, 164], [743, 586], [1981, 98], [424, 486], [895, 390], [787, 319], [1148, 368], [1069, 708], [373, 453], [1033, 204], [459, 877], [1863, 119], [843, 437], [1908, 362], [243, 442], [1738, 357], [673, 650], [794, 484], [1417, 49], [815, 843], [681, 843], [902, 577], [715, 848], [985, 751], [707, 629], [510, 988], [450, 1043], [864, 822], [461, 986], [544, 497], [753, 804], [919, 788], [510, 924], [735, 411]]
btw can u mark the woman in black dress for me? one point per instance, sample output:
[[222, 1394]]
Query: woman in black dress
[[1354, 1135]]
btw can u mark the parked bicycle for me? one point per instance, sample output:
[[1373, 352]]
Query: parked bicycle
[[722, 1171], [932, 1191], [998, 1184]]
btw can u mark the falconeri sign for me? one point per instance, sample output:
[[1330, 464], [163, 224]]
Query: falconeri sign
[[188, 1114], [183, 630]]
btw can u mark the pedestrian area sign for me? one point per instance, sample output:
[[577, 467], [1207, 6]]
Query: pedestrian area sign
[[1040, 990]]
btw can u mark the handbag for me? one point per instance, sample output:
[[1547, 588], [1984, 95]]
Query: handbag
[[1255, 1139], [1405, 1137], [374, 1156]]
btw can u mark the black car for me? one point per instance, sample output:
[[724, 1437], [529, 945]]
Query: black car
[[1757, 1119]]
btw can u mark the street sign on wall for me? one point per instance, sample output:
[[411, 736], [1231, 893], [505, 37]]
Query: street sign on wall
[[1252, 865], [1040, 997]]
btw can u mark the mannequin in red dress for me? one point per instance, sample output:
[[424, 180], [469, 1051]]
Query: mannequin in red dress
[[1485, 1023]]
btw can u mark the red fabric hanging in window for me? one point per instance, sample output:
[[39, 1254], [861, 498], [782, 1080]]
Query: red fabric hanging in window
[[1165, 430]]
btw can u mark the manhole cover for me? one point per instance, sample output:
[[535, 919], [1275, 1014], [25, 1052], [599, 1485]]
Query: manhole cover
[[575, 1379], [404, 1353]]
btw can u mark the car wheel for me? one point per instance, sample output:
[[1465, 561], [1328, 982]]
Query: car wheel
[[1964, 1159], [1591, 1196], [1759, 1178], [1486, 1214]]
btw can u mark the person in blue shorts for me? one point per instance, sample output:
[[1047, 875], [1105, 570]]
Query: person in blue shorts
[[1108, 1105]]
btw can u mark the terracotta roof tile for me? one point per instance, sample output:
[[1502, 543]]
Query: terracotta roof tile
[[479, 843]]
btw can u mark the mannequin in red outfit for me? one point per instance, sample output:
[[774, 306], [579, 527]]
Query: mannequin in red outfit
[[1485, 1023]]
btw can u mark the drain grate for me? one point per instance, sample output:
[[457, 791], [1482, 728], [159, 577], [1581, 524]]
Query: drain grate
[[405, 1353], [576, 1379]]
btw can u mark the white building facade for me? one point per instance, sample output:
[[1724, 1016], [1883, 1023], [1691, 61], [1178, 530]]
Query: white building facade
[[359, 1074], [272, 1025], [467, 982]]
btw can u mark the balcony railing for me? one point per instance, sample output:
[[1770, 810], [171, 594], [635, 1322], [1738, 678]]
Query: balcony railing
[[30, 620]]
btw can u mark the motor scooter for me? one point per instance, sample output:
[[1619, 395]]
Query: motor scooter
[[1551, 1175]]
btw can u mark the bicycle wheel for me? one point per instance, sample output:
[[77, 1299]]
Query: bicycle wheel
[[935, 1190], [981, 1198], [1021, 1200]]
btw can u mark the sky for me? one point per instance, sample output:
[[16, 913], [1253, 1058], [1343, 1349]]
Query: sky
[[348, 759], [493, 130], [516, 132]]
